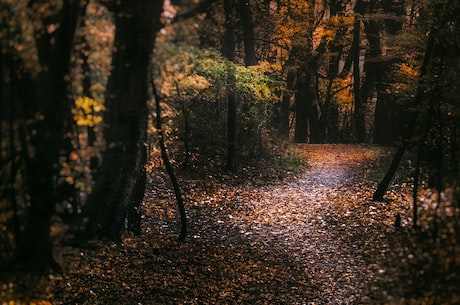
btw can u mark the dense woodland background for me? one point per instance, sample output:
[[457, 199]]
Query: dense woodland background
[[94, 95]]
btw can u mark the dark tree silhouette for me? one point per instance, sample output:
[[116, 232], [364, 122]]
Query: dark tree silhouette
[[120, 184], [51, 91], [169, 168], [232, 99], [360, 126]]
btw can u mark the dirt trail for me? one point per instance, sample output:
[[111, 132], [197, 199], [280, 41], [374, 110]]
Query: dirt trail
[[309, 240], [312, 239], [311, 219]]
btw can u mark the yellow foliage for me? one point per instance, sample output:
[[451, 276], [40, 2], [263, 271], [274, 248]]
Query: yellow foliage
[[343, 93], [89, 105], [87, 111], [292, 25], [195, 82]]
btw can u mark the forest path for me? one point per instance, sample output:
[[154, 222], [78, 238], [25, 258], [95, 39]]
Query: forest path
[[313, 238], [317, 219]]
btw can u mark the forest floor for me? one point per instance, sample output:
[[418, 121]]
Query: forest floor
[[263, 238]]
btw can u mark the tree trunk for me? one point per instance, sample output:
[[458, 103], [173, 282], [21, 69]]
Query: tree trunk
[[232, 100], [389, 115], [373, 65], [120, 185], [306, 112], [360, 127], [330, 109], [301, 108], [282, 109], [244, 9], [302, 56], [41, 165], [86, 89], [384, 133], [315, 132], [170, 169]]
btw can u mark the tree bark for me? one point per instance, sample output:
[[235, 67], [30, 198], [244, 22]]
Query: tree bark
[[301, 108], [120, 185], [389, 115], [314, 127], [244, 9], [282, 109], [232, 100], [170, 169], [86, 88], [306, 113], [360, 127], [42, 163]]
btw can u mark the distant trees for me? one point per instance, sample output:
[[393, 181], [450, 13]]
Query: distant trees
[[217, 125], [347, 75], [193, 82], [351, 69]]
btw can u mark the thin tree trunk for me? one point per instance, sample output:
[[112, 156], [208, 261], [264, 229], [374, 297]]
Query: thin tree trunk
[[86, 88], [389, 115], [306, 100], [314, 127], [170, 169], [360, 128], [330, 112], [232, 100]]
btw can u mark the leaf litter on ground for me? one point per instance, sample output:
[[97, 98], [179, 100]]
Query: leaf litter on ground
[[257, 237]]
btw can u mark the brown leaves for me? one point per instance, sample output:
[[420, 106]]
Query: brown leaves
[[311, 239]]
